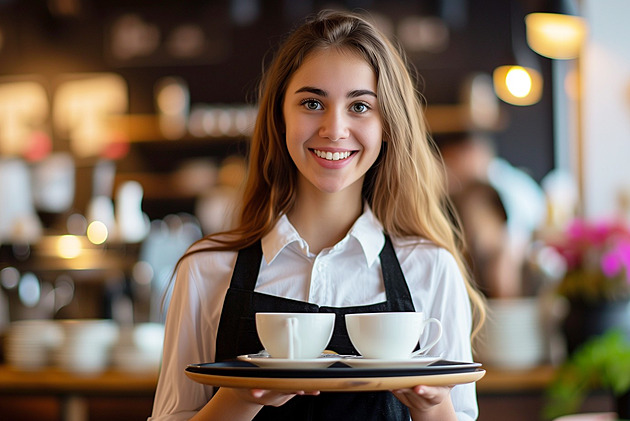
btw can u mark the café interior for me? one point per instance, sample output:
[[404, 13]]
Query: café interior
[[124, 127]]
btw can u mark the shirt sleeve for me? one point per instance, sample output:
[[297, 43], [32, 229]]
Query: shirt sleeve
[[190, 336], [437, 287]]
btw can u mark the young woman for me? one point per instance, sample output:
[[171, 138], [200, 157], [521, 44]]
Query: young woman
[[343, 211]]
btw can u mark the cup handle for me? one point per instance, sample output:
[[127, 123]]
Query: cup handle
[[292, 324], [432, 342]]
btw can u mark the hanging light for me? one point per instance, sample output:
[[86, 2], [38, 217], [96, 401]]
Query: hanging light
[[518, 82], [517, 85], [556, 33]]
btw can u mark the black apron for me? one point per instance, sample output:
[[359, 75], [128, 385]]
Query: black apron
[[237, 336]]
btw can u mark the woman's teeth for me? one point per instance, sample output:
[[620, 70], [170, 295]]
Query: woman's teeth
[[332, 156]]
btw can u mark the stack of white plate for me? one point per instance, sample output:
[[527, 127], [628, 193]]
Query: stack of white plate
[[513, 336], [86, 346], [139, 347], [29, 342]]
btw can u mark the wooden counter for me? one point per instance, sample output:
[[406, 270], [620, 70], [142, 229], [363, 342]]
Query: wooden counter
[[499, 380], [56, 381], [56, 395]]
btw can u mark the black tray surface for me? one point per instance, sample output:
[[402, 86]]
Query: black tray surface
[[338, 370]]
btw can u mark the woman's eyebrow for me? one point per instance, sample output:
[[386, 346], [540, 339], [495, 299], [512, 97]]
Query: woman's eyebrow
[[312, 90], [361, 92], [323, 93]]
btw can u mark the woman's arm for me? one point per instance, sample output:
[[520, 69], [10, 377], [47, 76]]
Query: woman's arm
[[242, 404], [438, 288], [229, 404], [190, 334]]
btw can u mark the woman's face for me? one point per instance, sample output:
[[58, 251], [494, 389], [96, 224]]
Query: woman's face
[[333, 124]]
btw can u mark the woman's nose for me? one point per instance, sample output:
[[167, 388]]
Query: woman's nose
[[334, 126]]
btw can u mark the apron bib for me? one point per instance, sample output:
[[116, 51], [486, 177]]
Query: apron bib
[[237, 336]]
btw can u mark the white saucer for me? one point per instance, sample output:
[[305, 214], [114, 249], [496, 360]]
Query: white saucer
[[261, 361], [415, 362]]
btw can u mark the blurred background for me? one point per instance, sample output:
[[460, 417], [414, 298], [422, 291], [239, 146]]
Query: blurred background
[[124, 128]]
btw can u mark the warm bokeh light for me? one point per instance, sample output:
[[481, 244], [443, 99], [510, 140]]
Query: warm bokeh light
[[68, 246], [517, 85], [24, 109], [172, 96], [97, 232], [83, 108], [555, 35], [172, 99], [518, 82]]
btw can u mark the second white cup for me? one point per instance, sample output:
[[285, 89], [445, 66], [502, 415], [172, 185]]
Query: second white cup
[[295, 335], [390, 335]]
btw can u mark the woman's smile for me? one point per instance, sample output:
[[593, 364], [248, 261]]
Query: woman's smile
[[332, 156]]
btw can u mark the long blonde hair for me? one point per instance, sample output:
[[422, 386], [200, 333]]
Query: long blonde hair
[[404, 188]]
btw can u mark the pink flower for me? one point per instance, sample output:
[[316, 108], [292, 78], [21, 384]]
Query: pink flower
[[617, 259], [597, 256], [611, 264]]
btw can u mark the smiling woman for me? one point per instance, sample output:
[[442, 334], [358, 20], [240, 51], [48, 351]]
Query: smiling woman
[[342, 213]]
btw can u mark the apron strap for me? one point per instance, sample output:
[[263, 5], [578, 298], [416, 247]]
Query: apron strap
[[396, 288], [247, 267]]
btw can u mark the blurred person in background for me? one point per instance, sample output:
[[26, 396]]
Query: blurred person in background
[[500, 207]]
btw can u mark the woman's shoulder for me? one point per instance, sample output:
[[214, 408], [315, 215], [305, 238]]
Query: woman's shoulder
[[418, 246], [424, 252], [206, 255], [428, 268]]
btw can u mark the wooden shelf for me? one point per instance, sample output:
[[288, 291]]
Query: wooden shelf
[[56, 381]]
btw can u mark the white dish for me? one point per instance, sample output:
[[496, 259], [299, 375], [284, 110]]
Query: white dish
[[415, 362], [263, 361]]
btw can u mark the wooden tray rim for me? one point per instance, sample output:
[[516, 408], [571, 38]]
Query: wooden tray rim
[[337, 384]]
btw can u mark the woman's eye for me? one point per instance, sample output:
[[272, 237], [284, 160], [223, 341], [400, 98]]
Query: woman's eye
[[360, 107], [311, 104]]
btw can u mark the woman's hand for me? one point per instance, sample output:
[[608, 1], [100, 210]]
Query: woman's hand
[[427, 402], [269, 397]]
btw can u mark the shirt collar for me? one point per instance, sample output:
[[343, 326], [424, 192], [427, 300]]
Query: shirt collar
[[367, 230], [282, 234], [369, 233]]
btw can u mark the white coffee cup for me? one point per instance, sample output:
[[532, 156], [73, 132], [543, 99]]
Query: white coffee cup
[[390, 335], [295, 335]]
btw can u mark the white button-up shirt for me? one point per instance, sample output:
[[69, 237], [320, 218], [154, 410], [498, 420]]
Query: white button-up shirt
[[347, 274]]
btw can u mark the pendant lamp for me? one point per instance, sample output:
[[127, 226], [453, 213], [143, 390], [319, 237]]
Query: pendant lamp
[[556, 32], [518, 82]]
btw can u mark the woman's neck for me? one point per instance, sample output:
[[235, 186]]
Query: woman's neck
[[322, 220]]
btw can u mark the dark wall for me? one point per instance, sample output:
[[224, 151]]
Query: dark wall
[[44, 42]]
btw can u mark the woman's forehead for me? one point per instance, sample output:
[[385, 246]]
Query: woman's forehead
[[335, 66]]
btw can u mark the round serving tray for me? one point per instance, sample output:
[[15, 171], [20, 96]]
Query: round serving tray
[[332, 379]]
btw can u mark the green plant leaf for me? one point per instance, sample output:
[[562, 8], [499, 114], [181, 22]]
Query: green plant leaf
[[603, 362]]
